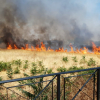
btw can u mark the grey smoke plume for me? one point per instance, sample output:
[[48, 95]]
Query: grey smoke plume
[[32, 21]]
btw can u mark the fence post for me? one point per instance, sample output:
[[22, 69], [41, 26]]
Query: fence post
[[58, 87], [98, 84]]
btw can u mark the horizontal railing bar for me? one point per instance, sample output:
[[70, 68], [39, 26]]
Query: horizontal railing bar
[[27, 84], [79, 75], [26, 78]]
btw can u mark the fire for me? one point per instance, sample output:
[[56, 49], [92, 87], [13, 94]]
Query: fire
[[95, 49]]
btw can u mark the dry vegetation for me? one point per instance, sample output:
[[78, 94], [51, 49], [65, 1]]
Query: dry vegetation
[[52, 62]]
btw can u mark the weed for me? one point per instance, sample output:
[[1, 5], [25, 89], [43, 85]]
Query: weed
[[26, 64], [91, 62], [34, 70], [17, 71], [61, 69], [74, 59], [26, 75], [40, 63], [83, 60], [65, 59], [49, 71], [74, 68], [9, 73], [33, 64], [18, 62], [4, 66], [0, 78]]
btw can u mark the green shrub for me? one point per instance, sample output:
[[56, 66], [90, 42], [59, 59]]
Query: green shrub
[[74, 68], [61, 69], [9, 73], [83, 60], [74, 59], [34, 70], [40, 63], [49, 71], [65, 59], [17, 71], [18, 62], [91, 62], [26, 64], [33, 64], [4, 66], [0, 78]]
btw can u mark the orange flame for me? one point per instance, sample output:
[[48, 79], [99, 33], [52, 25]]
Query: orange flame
[[95, 49]]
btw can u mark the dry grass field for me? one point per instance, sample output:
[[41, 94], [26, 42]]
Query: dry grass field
[[49, 60]]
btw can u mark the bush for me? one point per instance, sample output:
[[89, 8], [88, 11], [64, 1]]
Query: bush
[[34, 70], [74, 68], [9, 73], [61, 69], [74, 59], [33, 64], [17, 71], [4, 66], [18, 62], [49, 71], [65, 59], [82, 61], [40, 63], [91, 62], [26, 64]]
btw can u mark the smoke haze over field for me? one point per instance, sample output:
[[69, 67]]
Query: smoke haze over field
[[68, 21]]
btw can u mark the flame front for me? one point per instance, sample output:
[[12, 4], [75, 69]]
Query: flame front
[[95, 49]]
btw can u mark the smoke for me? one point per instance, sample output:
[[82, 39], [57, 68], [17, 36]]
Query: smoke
[[56, 22]]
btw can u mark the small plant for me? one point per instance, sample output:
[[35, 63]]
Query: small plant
[[82, 61], [17, 71], [33, 64], [34, 70], [61, 69], [4, 66], [49, 71], [40, 63], [18, 62], [13, 62], [65, 59], [0, 78], [74, 59], [74, 68], [26, 64], [91, 62], [9, 73]]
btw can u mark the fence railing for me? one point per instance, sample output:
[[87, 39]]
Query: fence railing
[[58, 85]]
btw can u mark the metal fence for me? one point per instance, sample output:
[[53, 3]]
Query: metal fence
[[71, 85]]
